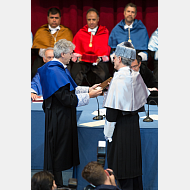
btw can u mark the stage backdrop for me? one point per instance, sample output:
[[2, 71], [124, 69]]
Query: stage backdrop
[[111, 12]]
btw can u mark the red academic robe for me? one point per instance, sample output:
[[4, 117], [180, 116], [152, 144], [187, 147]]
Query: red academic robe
[[99, 41], [99, 48]]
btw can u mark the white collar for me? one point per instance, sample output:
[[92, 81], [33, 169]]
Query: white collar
[[54, 59], [128, 26], [124, 68], [93, 30], [53, 30]]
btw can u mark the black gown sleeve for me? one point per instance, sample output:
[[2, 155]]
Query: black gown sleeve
[[66, 97], [111, 114], [148, 76]]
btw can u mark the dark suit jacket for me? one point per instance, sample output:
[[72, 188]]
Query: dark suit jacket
[[148, 76]]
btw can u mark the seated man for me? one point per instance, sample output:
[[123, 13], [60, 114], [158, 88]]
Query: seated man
[[92, 51], [145, 72], [47, 35], [95, 174], [36, 88], [131, 30]]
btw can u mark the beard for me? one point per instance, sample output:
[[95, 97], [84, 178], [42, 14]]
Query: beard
[[129, 19]]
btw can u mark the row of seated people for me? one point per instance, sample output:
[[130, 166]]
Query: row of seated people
[[94, 45]]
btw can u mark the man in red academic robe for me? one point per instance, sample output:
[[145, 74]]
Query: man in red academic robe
[[91, 52]]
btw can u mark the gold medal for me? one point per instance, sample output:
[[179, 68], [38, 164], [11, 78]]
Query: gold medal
[[55, 37], [90, 44], [129, 40]]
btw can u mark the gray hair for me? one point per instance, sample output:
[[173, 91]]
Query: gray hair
[[62, 46], [127, 61], [43, 51]]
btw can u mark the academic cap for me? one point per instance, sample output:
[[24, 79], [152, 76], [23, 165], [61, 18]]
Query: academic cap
[[125, 50]]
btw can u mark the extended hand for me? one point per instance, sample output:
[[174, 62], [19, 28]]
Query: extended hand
[[94, 87], [94, 93]]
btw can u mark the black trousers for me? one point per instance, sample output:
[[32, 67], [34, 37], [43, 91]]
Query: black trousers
[[58, 178], [131, 183]]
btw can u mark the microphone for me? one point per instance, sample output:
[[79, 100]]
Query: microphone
[[148, 119], [98, 117]]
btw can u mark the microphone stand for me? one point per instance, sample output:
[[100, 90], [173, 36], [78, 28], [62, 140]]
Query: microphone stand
[[148, 119], [98, 117]]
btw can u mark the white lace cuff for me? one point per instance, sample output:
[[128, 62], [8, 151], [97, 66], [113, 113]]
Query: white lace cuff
[[83, 99], [81, 89]]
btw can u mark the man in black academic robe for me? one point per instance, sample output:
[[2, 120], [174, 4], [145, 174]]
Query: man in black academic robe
[[126, 96], [61, 97]]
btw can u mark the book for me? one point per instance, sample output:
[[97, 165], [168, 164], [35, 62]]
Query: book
[[104, 84]]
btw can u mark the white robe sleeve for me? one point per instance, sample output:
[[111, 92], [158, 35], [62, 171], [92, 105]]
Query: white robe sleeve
[[108, 130]]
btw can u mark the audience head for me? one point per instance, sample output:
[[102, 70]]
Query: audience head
[[94, 173], [63, 50], [125, 54], [47, 54], [92, 17], [54, 17], [130, 12], [43, 180], [135, 65]]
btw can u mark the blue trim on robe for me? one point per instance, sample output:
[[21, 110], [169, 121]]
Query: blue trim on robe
[[138, 35], [53, 76], [36, 85]]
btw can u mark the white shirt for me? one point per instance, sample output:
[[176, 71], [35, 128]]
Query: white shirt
[[54, 30], [128, 26], [54, 59], [93, 30]]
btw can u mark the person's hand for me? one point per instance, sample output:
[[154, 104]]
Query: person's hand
[[94, 87], [34, 96], [97, 60], [111, 176], [75, 57], [94, 93]]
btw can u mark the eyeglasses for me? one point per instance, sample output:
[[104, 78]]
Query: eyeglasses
[[134, 67]]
